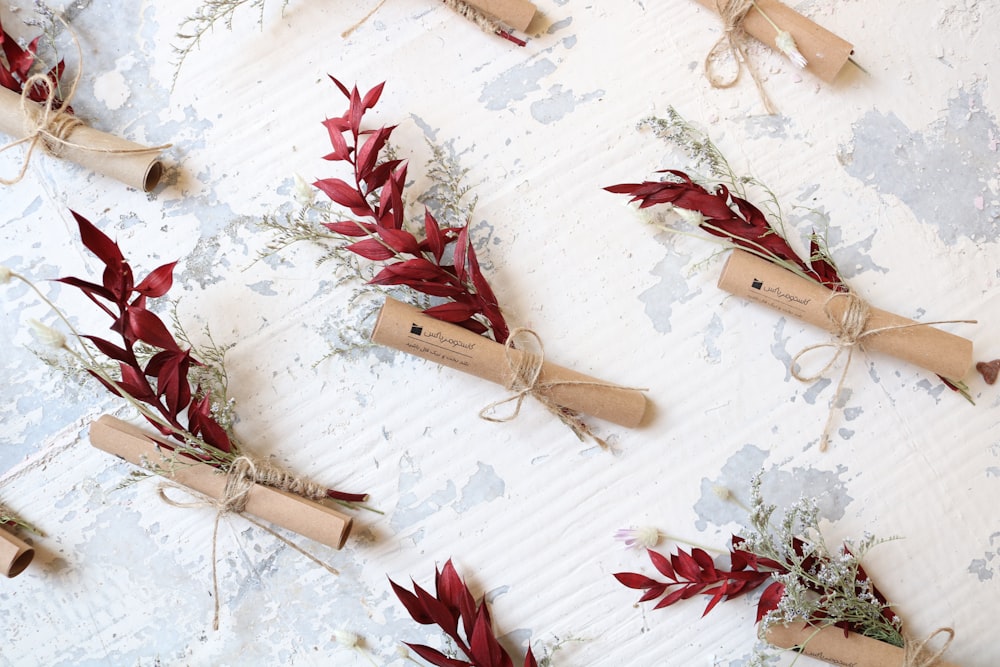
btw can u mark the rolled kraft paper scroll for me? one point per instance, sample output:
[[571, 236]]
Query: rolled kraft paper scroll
[[825, 53], [301, 515], [759, 280], [515, 13], [141, 170], [403, 327], [14, 554], [830, 644]]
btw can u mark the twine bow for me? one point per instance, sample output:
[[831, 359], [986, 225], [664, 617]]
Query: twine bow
[[523, 378], [733, 43], [240, 479], [850, 333], [50, 125], [918, 654]]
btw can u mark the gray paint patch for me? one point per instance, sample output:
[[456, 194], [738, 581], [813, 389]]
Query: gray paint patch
[[485, 485], [515, 84], [558, 104], [779, 487], [930, 171], [672, 288], [715, 328]]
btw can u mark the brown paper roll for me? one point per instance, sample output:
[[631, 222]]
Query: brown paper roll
[[403, 327], [825, 53], [515, 13], [831, 645], [141, 170], [15, 555], [759, 280], [303, 516]]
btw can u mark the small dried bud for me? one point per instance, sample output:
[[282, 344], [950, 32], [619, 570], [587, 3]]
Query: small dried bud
[[722, 492], [345, 638], [303, 192], [46, 335], [5, 275], [643, 537], [693, 218], [786, 44]]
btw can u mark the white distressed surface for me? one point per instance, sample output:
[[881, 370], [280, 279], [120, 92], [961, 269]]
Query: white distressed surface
[[903, 161]]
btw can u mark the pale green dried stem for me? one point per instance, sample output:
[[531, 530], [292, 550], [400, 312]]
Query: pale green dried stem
[[204, 20], [8, 518], [448, 197], [191, 445], [835, 574]]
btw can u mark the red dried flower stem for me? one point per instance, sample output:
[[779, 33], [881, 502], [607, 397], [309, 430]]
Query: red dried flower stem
[[694, 573], [204, 439], [511, 38], [15, 69], [376, 199], [734, 219], [453, 609]]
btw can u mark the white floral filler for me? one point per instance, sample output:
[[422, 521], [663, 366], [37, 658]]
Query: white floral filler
[[803, 580]]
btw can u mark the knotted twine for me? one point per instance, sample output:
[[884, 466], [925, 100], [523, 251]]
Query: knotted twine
[[850, 332], [50, 125], [243, 473], [524, 369], [918, 654], [734, 43]]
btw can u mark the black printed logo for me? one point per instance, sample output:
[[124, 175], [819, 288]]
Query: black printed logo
[[416, 329], [756, 284]]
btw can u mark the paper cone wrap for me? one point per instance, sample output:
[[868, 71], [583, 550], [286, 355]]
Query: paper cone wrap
[[830, 644], [301, 515], [515, 13], [15, 554], [140, 170], [825, 53], [759, 280], [403, 327]]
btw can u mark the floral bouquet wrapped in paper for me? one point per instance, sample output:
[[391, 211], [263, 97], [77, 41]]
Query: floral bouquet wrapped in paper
[[816, 601], [452, 316], [184, 399], [764, 268]]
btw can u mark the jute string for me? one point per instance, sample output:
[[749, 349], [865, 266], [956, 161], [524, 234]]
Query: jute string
[[240, 480], [50, 125], [733, 43], [918, 654], [523, 378], [850, 333]]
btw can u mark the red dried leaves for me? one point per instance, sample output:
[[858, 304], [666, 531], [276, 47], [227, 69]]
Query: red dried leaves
[[467, 622], [733, 219], [375, 197], [695, 573], [16, 64], [162, 383]]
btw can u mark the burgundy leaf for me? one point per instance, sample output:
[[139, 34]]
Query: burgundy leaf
[[157, 283], [451, 312], [342, 193], [413, 605], [98, 242], [350, 228], [435, 657], [148, 328], [769, 599], [634, 580], [372, 96], [373, 249], [662, 563]]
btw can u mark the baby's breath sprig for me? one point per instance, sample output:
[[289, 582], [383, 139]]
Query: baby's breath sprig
[[804, 581]]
